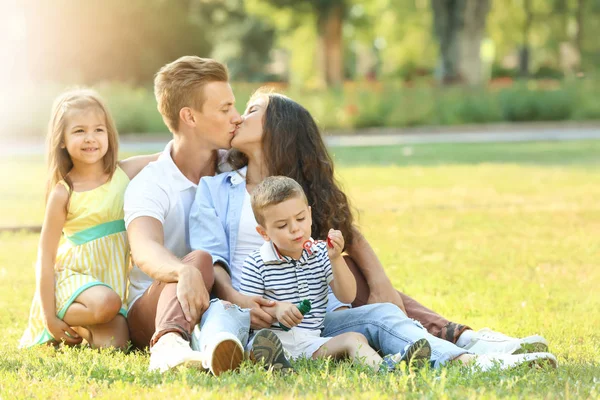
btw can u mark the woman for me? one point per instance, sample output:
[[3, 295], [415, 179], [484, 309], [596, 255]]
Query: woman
[[279, 137]]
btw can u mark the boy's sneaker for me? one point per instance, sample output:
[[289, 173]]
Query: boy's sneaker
[[172, 350], [486, 362], [487, 341], [267, 348], [223, 353], [416, 355]]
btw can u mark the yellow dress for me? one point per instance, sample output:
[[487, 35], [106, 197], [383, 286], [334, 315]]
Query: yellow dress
[[94, 251]]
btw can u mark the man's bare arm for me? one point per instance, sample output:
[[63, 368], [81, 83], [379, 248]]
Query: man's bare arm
[[153, 258]]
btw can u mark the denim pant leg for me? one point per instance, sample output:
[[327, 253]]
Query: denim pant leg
[[221, 317], [389, 330]]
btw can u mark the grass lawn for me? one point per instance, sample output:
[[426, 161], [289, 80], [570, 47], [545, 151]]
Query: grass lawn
[[498, 235]]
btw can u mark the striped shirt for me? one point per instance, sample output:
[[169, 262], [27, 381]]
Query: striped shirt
[[268, 274]]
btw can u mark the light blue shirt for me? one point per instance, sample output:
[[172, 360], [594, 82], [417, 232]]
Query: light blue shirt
[[215, 219]]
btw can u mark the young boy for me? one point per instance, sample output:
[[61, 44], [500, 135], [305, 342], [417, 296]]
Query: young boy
[[291, 267]]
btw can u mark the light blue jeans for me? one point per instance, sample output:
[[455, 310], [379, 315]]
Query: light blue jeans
[[218, 318], [389, 330]]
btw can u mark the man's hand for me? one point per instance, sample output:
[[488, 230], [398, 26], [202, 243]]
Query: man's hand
[[61, 331], [384, 292], [259, 318], [192, 293], [288, 314]]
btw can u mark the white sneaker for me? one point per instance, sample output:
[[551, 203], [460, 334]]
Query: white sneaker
[[172, 350], [488, 341], [486, 362], [224, 353]]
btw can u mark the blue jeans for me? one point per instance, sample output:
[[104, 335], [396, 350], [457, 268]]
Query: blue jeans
[[218, 318], [389, 330]]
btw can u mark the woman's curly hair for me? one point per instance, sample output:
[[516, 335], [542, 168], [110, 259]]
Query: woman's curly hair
[[293, 147]]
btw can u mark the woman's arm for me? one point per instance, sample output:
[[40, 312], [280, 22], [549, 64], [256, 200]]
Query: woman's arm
[[133, 165], [381, 289], [54, 221]]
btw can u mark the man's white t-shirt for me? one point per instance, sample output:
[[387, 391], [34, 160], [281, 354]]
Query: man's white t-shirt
[[162, 192]]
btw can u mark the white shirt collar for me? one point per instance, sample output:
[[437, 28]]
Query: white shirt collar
[[238, 176], [270, 254], [179, 181]]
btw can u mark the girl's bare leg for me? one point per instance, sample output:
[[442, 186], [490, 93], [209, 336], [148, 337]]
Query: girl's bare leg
[[111, 334]]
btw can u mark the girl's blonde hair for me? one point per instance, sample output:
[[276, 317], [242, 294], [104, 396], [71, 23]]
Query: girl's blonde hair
[[59, 160]]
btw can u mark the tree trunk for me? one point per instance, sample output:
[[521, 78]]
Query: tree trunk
[[579, 34], [331, 58], [524, 53], [459, 27]]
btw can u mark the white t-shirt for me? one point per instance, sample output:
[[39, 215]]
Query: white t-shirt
[[162, 192], [248, 241]]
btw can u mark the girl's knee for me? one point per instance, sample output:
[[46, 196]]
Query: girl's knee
[[105, 306]]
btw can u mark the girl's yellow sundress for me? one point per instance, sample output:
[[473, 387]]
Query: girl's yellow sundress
[[94, 252]]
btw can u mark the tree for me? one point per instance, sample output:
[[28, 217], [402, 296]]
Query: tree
[[330, 16], [459, 26]]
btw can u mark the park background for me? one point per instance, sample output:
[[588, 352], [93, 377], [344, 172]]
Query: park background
[[490, 233]]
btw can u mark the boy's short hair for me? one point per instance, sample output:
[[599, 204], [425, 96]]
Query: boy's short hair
[[272, 191], [176, 85]]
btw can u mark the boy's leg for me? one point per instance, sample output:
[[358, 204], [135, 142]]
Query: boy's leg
[[433, 322], [352, 345]]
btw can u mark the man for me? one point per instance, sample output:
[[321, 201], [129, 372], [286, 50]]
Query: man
[[170, 284]]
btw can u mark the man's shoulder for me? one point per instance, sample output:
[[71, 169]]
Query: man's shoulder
[[153, 174]]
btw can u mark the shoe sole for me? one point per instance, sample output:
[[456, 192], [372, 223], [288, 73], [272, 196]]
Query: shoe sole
[[418, 354], [532, 344], [226, 356], [545, 360], [267, 349]]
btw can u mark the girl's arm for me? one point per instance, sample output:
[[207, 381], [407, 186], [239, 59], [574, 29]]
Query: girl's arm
[[381, 289], [343, 283], [54, 220], [133, 165]]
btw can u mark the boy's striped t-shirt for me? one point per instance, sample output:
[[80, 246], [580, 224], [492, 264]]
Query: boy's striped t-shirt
[[268, 274]]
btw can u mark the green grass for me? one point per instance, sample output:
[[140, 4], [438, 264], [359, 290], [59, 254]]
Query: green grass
[[504, 236]]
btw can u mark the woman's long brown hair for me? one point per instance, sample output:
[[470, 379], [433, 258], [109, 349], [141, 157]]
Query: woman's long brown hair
[[293, 147]]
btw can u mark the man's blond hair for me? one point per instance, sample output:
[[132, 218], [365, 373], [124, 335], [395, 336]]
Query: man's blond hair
[[272, 191], [176, 86]]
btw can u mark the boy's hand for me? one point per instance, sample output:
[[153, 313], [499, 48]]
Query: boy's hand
[[336, 239], [288, 314]]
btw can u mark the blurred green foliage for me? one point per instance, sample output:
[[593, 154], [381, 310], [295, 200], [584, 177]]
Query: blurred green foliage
[[356, 105]]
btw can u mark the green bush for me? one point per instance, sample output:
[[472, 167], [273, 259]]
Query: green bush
[[520, 103], [356, 105]]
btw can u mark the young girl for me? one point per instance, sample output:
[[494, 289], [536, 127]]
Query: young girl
[[81, 284]]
